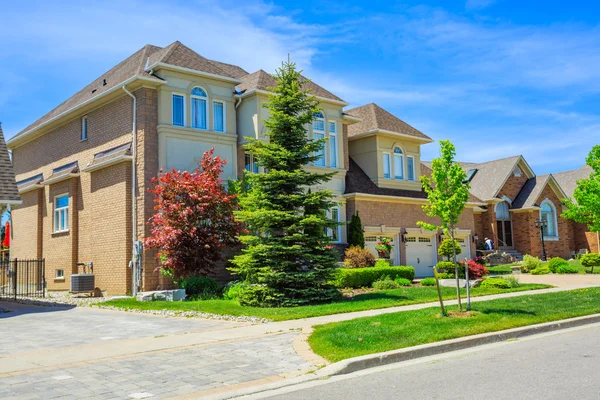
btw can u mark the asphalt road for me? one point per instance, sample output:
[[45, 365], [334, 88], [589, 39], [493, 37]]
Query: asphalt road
[[564, 365]]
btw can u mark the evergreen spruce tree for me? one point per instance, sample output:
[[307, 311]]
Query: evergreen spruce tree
[[287, 253], [356, 236]]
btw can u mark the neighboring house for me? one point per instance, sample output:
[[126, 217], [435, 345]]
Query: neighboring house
[[83, 170], [9, 195]]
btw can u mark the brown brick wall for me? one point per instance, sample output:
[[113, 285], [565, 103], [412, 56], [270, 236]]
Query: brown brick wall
[[583, 238], [513, 186], [26, 233]]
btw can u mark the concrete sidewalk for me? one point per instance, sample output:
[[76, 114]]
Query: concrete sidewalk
[[215, 357]]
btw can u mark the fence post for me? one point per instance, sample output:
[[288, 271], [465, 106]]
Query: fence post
[[15, 276], [43, 277]]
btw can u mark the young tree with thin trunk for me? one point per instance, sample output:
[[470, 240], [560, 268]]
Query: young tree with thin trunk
[[448, 192], [584, 207]]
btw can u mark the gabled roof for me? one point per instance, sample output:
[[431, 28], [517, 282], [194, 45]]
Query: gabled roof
[[426, 170], [8, 186], [262, 80], [568, 180], [529, 196], [375, 118]]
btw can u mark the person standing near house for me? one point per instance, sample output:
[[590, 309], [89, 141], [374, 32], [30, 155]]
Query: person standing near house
[[489, 244]]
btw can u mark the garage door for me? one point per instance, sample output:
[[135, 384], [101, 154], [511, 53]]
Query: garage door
[[419, 254], [371, 243], [464, 252]]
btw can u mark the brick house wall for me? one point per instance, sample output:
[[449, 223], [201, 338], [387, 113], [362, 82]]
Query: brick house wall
[[513, 186]]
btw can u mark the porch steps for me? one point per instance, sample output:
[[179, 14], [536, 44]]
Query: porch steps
[[518, 256]]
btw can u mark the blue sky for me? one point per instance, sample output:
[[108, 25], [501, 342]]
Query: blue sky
[[498, 78]]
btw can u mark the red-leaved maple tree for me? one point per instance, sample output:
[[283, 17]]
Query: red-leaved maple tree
[[193, 219]]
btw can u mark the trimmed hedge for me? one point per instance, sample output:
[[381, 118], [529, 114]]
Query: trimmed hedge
[[497, 283], [364, 277], [567, 269], [500, 270]]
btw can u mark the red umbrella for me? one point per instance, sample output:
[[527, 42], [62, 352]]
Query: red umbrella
[[6, 242]]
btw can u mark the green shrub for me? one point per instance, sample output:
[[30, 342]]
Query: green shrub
[[513, 281], [542, 270], [232, 290], [500, 270], [447, 250], [364, 277], [446, 275], [357, 257], [445, 266], [567, 269], [200, 287], [555, 263], [530, 263], [590, 260], [385, 283], [428, 282], [381, 263], [498, 283], [356, 236], [257, 296], [402, 281]]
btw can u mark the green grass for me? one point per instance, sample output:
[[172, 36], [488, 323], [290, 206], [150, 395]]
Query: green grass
[[340, 340], [500, 269], [368, 301]]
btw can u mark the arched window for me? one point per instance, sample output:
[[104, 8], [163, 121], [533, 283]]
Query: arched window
[[548, 214], [398, 163], [501, 210], [199, 108]]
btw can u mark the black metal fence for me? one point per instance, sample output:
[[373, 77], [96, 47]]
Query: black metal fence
[[22, 278]]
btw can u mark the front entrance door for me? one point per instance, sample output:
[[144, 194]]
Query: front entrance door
[[504, 229]]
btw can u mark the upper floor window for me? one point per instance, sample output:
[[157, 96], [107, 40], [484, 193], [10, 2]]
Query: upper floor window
[[84, 128], [548, 214], [178, 110], [386, 166], [319, 122], [218, 116], [333, 145], [61, 213], [250, 165], [199, 100], [398, 163], [410, 161]]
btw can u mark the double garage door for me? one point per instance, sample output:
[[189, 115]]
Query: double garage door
[[421, 254]]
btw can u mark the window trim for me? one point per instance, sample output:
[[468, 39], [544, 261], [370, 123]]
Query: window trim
[[555, 236], [395, 156], [207, 102], [412, 178], [183, 96], [254, 168], [56, 210], [389, 164], [338, 228], [224, 104], [315, 118], [56, 274], [84, 129], [335, 151]]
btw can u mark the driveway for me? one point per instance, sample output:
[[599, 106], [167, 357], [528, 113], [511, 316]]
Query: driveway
[[566, 281]]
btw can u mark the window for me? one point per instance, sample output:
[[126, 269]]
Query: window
[[84, 128], [410, 161], [319, 134], [471, 174], [61, 213], [59, 274], [501, 210], [319, 122], [218, 116], [386, 166], [334, 233], [199, 112], [178, 110], [548, 214], [517, 172], [333, 150], [250, 165], [398, 163]]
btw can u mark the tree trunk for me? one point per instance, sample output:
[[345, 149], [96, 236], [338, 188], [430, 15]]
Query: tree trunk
[[455, 269], [437, 284]]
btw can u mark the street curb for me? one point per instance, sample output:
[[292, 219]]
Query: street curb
[[394, 356]]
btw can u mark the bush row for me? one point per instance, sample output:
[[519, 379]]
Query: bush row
[[364, 277]]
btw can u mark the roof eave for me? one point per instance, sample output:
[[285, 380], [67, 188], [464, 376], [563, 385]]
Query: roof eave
[[158, 65], [20, 139], [11, 202], [266, 92], [402, 199], [107, 163], [60, 178], [395, 134]]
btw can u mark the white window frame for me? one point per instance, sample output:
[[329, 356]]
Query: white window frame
[[173, 94], [395, 158], [414, 169], [57, 214], [224, 115], [389, 165], [253, 167], [58, 276], [206, 103], [555, 219], [333, 150], [322, 161], [84, 128], [338, 228]]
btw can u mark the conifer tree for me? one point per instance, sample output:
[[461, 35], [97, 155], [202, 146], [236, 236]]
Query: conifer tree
[[287, 254], [356, 236]]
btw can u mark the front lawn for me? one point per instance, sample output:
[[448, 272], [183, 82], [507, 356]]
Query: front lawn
[[367, 301], [341, 340]]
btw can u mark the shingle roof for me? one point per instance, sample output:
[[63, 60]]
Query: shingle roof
[[8, 185], [374, 117], [262, 80], [174, 54], [64, 171], [530, 192], [426, 170], [568, 180], [357, 181], [122, 152]]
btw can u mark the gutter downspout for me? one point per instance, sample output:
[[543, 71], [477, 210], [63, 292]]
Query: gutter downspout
[[134, 269]]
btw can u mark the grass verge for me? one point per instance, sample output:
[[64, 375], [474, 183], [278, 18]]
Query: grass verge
[[342, 340], [368, 301]]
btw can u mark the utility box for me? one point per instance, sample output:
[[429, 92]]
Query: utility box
[[82, 283]]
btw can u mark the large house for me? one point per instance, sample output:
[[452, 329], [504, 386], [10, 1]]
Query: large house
[[84, 168]]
